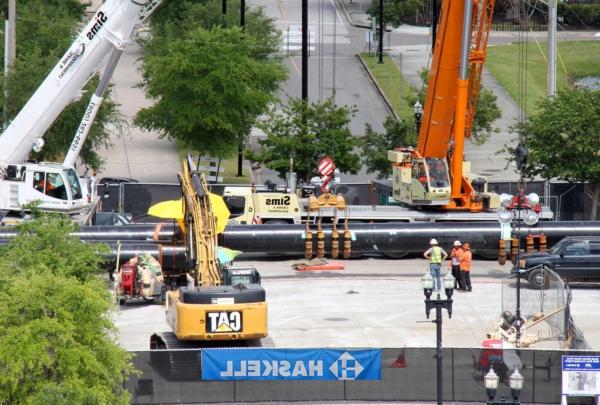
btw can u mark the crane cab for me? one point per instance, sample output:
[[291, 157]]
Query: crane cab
[[418, 180], [54, 187]]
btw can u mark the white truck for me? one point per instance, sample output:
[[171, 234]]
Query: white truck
[[56, 186]]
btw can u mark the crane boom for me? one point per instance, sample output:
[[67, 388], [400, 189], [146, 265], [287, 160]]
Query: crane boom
[[111, 26], [421, 175], [56, 187]]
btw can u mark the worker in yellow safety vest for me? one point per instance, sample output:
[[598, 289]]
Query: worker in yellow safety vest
[[436, 255]]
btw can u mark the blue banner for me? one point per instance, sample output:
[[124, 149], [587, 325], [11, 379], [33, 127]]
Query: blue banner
[[291, 364], [581, 363]]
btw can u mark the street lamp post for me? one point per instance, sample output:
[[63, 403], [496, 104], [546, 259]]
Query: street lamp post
[[438, 303], [491, 385], [517, 209], [418, 110]]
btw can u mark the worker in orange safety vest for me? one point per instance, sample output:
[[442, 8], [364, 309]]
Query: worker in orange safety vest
[[465, 267]]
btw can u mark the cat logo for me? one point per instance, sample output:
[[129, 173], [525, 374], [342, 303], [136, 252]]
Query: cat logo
[[224, 322]]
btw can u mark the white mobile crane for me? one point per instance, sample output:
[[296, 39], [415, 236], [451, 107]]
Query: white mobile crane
[[56, 186]]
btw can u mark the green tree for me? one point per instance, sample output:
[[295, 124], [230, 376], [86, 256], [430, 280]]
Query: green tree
[[209, 79], [176, 17], [374, 145], [563, 139], [56, 331], [45, 30], [306, 132], [486, 113], [395, 11]]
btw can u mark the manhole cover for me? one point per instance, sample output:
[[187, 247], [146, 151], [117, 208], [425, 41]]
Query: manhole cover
[[336, 319]]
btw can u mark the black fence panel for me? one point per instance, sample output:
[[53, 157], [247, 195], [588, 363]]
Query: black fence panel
[[408, 374], [568, 201]]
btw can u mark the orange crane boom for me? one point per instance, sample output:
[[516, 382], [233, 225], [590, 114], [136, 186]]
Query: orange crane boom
[[449, 109]]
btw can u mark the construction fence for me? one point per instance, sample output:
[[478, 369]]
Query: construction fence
[[407, 374], [568, 201]]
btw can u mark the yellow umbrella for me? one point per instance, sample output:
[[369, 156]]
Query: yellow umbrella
[[174, 209], [220, 211], [167, 209]]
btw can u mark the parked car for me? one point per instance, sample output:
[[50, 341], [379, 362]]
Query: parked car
[[574, 258], [116, 180]]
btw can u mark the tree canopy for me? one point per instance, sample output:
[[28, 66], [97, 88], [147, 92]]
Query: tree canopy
[[208, 78], [306, 132], [563, 139], [395, 11], [56, 332], [45, 30], [374, 145]]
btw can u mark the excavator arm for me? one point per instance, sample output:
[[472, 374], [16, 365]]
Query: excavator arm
[[201, 226]]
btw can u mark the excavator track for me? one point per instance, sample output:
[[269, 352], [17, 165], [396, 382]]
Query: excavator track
[[169, 341]]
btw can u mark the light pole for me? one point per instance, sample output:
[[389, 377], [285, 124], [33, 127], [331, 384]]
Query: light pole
[[418, 110], [517, 209], [380, 44], [491, 385], [438, 304]]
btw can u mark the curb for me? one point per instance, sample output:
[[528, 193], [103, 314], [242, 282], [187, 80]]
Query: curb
[[379, 90], [347, 14]]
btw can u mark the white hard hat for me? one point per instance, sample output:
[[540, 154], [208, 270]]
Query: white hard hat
[[457, 243], [433, 242]]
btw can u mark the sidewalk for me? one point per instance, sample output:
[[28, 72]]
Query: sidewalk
[[356, 12]]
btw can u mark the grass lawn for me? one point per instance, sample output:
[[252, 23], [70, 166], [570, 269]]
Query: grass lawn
[[578, 58], [393, 84]]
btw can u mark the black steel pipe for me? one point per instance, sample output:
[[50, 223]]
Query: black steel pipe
[[171, 257], [395, 238], [159, 232]]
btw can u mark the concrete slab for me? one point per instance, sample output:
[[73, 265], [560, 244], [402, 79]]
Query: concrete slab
[[373, 303]]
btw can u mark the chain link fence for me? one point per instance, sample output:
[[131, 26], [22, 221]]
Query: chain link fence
[[545, 311]]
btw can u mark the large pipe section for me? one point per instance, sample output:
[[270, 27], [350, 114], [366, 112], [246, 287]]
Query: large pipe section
[[395, 238], [171, 257], [164, 232]]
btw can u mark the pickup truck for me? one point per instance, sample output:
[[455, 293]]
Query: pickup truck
[[573, 258]]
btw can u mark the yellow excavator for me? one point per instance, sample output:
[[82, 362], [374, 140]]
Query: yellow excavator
[[222, 303]]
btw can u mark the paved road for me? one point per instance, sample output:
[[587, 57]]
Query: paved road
[[333, 70], [374, 302]]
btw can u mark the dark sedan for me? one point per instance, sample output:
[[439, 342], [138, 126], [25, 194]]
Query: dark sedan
[[574, 258]]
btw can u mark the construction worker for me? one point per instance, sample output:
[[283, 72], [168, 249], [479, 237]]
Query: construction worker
[[465, 267], [435, 255], [455, 255]]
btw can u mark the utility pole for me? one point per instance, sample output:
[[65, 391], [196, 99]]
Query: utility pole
[[243, 14], [10, 51], [12, 42], [434, 20], [380, 45], [304, 49], [241, 145], [552, 20]]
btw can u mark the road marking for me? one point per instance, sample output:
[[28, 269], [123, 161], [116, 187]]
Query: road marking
[[282, 11], [295, 66], [337, 13]]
